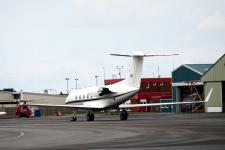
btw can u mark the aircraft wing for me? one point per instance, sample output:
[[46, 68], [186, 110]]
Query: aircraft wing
[[67, 106], [157, 104], [162, 104]]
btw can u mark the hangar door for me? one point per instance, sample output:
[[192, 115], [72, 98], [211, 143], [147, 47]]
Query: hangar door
[[223, 95]]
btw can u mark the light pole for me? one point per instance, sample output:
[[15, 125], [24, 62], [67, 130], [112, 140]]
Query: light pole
[[67, 82], [119, 68], [96, 76], [76, 79], [103, 72], [103, 75], [158, 72]]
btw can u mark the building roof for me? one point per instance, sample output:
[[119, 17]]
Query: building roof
[[189, 72], [199, 68], [217, 68]]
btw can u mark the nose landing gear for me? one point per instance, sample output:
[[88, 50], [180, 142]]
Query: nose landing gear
[[74, 118]]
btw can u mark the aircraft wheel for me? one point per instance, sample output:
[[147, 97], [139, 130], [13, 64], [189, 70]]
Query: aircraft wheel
[[124, 115], [74, 118]]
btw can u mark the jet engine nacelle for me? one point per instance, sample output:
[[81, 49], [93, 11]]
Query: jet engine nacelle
[[104, 91]]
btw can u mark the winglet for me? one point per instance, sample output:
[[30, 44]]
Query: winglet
[[208, 96]]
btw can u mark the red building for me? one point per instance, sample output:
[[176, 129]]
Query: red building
[[152, 91]]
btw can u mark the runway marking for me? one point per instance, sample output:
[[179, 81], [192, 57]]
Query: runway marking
[[16, 137]]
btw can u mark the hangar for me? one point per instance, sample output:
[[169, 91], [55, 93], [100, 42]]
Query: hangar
[[187, 86], [215, 78]]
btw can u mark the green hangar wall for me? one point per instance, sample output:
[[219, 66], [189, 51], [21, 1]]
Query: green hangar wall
[[215, 78]]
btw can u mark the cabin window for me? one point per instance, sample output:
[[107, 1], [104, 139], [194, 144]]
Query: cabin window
[[87, 96], [154, 84], [83, 96], [79, 96], [76, 97]]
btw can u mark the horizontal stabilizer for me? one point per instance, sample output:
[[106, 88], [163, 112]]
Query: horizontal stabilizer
[[121, 55], [141, 54]]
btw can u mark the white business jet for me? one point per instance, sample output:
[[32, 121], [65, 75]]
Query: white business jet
[[111, 96]]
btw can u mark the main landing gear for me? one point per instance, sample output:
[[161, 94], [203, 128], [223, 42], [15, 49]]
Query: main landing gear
[[74, 118], [90, 116], [124, 114]]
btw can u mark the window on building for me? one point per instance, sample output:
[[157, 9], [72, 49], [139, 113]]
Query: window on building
[[161, 84], [76, 97], [147, 85], [87, 96], [83, 96], [79, 96], [154, 84]]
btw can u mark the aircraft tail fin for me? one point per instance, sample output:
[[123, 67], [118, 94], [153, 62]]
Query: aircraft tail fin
[[134, 76]]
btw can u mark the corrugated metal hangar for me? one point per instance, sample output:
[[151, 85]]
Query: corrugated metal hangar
[[187, 86], [215, 78]]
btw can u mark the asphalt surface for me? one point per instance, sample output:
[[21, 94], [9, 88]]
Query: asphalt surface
[[142, 131]]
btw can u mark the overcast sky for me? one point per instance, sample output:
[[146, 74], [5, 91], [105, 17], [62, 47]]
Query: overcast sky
[[44, 41]]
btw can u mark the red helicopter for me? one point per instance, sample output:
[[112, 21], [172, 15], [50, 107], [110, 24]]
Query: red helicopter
[[22, 110]]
